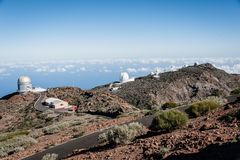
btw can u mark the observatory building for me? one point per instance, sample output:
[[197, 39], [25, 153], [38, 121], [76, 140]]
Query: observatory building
[[124, 77], [156, 73], [24, 84]]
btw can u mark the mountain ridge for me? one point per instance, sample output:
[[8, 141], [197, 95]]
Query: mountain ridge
[[187, 83]]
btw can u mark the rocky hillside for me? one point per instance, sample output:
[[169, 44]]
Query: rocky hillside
[[214, 136], [12, 107], [193, 82], [95, 102]]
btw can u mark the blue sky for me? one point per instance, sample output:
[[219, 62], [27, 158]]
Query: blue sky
[[87, 29]]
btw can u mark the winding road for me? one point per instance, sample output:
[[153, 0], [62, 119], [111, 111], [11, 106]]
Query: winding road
[[87, 141], [38, 104]]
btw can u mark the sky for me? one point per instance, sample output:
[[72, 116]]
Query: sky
[[35, 30]]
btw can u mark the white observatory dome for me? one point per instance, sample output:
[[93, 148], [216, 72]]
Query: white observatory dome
[[124, 77], [24, 79], [24, 84]]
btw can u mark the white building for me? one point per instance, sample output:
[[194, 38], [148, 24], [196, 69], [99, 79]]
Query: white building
[[56, 103], [38, 89], [124, 77], [156, 73], [113, 87], [24, 84]]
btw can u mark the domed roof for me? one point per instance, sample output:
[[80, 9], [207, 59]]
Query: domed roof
[[124, 76], [24, 79]]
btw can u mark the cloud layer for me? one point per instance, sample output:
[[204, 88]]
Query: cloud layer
[[133, 66]]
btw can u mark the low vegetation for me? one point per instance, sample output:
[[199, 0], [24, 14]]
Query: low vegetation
[[201, 108], [159, 154], [123, 134], [50, 156], [235, 91], [216, 92], [166, 121], [9, 135], [34, 119], [55, 128], [15, 144], [231, 116], [169, 105]]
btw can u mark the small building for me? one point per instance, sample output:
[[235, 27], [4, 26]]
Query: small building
[[56, 103], [38, 90], [156, 73], [113, 87], [24, 84]]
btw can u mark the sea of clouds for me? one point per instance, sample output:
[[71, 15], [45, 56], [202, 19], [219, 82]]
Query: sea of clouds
[[132, 66]]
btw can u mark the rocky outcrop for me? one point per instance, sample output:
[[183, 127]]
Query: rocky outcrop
[[193, 82]]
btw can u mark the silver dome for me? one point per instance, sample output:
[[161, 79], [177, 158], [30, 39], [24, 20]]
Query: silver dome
[[24, 79]]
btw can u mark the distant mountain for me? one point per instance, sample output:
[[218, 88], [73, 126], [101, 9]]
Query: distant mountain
[[187, 83]]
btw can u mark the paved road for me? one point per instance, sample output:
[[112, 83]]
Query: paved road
[[87, 141], [38, 104]]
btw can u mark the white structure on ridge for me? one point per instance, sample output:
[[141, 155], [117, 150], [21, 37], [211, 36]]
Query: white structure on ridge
[[38, 89], [156, 73], [124, 77], [24, 84]]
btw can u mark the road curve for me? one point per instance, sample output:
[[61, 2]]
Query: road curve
[[38, 104]]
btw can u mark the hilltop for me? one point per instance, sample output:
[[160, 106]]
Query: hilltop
[[186, 84], [95, 102]]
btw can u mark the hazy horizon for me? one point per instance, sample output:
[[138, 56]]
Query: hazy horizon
[[88, 74], [85, 43]]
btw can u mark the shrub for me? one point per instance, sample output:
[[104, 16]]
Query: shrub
[[61, 125], [15, 144], [235, 91], [36, 133], [166, 121], [123, 134], [9, 135], [50, 156], [216, 92], [200, 108], [159, 154], [169, 105], [231, 116]]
